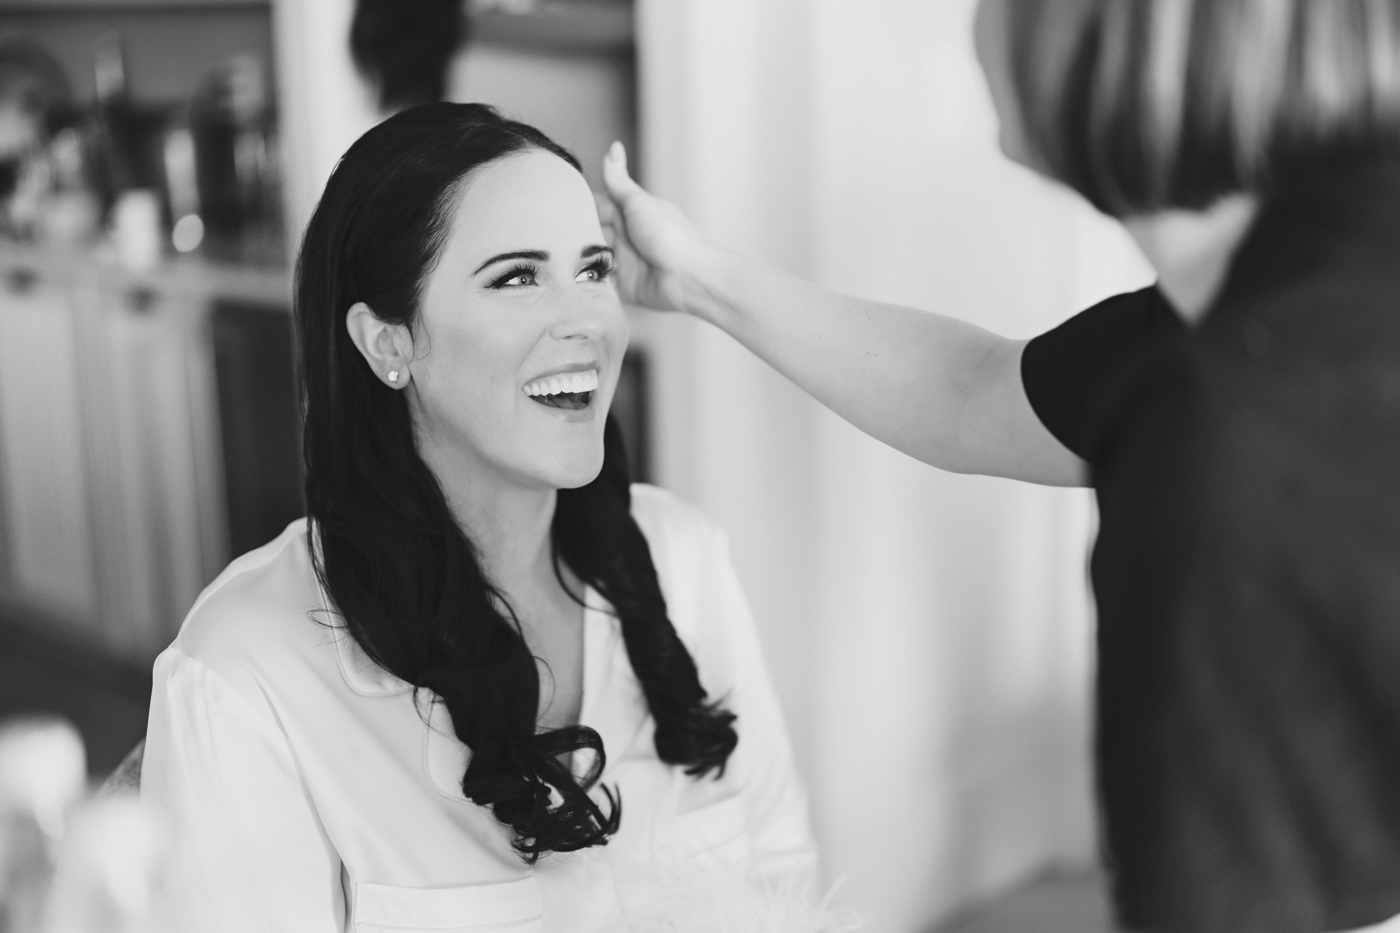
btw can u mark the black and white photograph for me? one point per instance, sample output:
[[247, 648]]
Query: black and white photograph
[[699, 466]]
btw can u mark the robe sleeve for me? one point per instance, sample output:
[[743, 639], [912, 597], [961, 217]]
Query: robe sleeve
[[247, 848]]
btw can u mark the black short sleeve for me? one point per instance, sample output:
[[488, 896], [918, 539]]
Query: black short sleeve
[[1066, 371], [1246, 571]]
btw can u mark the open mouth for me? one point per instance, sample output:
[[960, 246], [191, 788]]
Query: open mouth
[[571, 391]]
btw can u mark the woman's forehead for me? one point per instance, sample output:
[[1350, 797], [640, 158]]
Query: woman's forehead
[[527, 200]]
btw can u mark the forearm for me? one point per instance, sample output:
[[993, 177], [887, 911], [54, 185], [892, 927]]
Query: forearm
[[942, 390], [939, 389]]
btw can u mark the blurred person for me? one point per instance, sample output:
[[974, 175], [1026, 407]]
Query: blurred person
[[1240, 422], [484, 654]]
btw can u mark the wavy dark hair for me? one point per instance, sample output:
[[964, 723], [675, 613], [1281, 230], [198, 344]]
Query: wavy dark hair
[[401, 572]]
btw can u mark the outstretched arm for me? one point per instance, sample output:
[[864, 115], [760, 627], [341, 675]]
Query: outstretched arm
[[941, 390]]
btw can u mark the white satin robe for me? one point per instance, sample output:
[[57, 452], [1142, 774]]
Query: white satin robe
[[306, 793]]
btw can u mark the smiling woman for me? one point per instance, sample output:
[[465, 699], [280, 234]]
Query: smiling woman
[[509, 328], [403, 712]]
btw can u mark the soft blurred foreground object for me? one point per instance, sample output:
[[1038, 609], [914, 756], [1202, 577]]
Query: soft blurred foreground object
[[717, 899], [42, 772], [107, 871], [68, 865]]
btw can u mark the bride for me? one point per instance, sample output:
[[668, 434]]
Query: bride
[[487, 683]]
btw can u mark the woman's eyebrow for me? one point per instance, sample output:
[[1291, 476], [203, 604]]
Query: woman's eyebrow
[[538, 255], [590, 251]]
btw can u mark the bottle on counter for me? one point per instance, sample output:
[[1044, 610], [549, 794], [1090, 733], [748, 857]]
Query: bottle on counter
[[179, 162], [71, 214], [108, 129], [237, 161], [116, 136]]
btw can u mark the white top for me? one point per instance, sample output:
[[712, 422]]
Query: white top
[[307, 793]]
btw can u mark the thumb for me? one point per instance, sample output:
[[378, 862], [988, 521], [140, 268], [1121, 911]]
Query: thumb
[[616, 179]]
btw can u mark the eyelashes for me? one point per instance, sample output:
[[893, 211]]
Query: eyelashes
[[601, 268], [524, 270]]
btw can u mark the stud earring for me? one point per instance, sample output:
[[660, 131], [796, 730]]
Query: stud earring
[[393, 375]]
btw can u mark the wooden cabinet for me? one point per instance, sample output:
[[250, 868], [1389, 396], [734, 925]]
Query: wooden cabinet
[[149, 397], [113, 505], [47, 502]]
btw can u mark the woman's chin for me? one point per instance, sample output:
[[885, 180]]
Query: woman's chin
[[571, 472]]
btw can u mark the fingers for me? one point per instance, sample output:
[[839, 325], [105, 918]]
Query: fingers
[[608, 218], [607, 211], [615, 176]]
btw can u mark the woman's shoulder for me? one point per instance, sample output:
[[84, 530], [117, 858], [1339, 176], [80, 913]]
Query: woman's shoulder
[[691, 556], [263, 604], [676, 531]]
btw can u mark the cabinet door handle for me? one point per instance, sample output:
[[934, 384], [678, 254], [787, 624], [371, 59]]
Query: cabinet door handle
[[142, 300], [21, 281]]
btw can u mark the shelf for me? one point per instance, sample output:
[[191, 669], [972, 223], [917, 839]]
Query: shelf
[[573, 28], [127, 6], [183, 275]]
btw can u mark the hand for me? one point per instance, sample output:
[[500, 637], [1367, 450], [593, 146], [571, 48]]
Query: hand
[[654, 244]]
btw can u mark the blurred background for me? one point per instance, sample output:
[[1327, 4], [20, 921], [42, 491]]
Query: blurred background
[[930, 634]]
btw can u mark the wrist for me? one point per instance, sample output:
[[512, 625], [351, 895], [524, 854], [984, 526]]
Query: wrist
[[704, 294]]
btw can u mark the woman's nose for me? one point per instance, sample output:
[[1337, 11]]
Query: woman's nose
[[579, 319]]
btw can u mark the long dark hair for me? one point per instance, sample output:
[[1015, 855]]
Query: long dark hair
[[401, 572]]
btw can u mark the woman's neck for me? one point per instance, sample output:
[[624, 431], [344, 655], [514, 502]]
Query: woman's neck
[[508, 524], [1192, 250]]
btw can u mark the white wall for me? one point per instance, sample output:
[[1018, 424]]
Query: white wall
[[930, 633], [324, 104], [582, 101]]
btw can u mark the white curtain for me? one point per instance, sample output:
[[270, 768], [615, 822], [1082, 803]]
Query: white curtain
[[931, 634]]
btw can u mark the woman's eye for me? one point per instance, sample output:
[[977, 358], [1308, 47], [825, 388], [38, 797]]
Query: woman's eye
[[517, 278], [597, 272]]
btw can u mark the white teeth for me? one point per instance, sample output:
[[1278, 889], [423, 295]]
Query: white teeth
[[586, 381]]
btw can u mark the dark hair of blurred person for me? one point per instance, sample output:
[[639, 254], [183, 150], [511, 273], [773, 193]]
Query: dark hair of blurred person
[[406, 47], [1141, 105]]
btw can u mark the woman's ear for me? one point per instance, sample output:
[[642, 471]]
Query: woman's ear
[[388, 348]]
